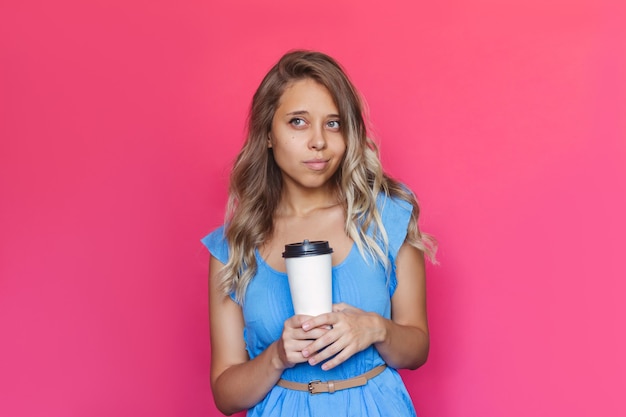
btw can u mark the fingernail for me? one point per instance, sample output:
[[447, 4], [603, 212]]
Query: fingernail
[[305, 353], [306, 326]]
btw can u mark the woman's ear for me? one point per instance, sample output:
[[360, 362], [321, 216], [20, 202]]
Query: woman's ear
[[269, 140]]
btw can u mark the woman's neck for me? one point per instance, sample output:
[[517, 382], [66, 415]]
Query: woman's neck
[[302, 202]]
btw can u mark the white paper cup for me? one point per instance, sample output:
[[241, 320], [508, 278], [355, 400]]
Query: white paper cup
[[309, 271]]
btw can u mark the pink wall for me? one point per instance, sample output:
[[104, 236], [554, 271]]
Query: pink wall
[[118, 123]]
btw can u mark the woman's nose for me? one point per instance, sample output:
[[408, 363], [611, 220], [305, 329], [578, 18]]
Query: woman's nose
[[317, 141]]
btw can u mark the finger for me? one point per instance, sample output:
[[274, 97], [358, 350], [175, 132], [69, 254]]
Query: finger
[[343, 356], [343, 307], [340, 307], [318, 332], [293, 350], [309, 336], [295, 357], [323, 348], [297, 321], [326, 319], [295, 346], [290, 352], [328, 352]]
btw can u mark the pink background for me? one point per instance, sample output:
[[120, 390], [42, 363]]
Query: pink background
[[119, 121]]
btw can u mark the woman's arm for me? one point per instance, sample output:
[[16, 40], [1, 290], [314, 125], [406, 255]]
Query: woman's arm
[[403, 341], [406, 342], [239, 383]]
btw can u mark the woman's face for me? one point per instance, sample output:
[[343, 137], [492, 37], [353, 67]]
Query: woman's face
[[306, 136]]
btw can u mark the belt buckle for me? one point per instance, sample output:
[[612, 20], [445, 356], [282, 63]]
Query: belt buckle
[[313, 385]]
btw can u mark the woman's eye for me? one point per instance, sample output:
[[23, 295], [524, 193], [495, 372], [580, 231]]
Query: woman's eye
[[334, 124], [297, 122]]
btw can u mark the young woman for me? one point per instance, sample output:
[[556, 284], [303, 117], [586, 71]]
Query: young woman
[[308, 170]]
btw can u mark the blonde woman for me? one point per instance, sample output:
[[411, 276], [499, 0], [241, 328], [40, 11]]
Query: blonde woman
[[308, 170]]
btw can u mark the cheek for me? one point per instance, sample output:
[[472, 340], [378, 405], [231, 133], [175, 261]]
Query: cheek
[[285, 149], [341, 151], [284, 136], [341, 146]]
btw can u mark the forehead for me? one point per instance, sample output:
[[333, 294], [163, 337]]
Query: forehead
[[306, 92]]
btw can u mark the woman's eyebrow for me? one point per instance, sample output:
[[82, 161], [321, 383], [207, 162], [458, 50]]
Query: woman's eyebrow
[[304, 112], [297, 113]]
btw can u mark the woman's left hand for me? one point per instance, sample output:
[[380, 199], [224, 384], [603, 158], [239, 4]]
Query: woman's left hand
[[352, 330]]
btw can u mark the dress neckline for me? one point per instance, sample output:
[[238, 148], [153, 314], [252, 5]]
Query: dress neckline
[[261, 260]]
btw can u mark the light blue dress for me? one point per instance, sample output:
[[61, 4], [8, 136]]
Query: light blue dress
[[364, 285]]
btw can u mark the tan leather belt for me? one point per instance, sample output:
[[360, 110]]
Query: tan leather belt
[[316, 387]]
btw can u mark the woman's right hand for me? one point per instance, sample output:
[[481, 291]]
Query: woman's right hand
[[294, 339]]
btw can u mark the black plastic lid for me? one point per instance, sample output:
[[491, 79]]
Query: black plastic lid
[[306, 248]]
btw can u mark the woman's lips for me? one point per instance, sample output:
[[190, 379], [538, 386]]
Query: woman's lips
[[316, 164]]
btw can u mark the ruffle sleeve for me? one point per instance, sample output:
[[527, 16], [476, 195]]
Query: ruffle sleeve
[[395, 214], [216, 243]]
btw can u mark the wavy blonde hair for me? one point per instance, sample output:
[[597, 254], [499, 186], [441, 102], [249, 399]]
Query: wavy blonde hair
[[256, 181]]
